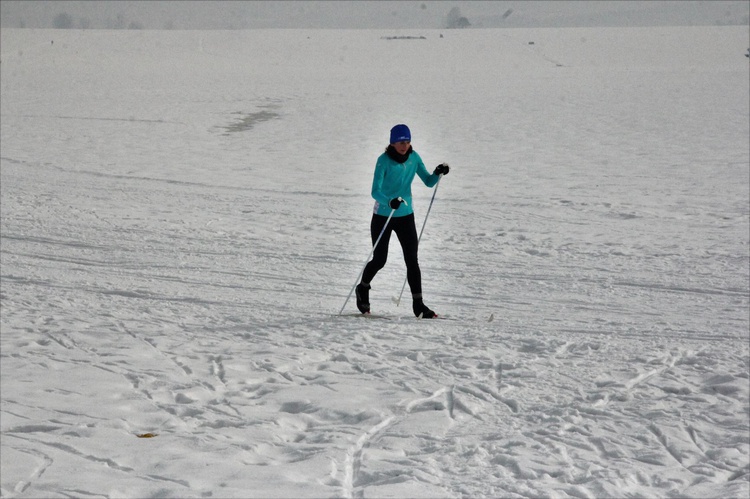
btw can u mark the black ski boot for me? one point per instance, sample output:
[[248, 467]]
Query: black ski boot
[[363, 298], [421, 310]]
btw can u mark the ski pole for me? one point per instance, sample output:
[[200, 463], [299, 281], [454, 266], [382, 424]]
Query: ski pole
[[372, 251], [398, 302]]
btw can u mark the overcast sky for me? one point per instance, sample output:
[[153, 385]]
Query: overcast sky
[[368, 14]]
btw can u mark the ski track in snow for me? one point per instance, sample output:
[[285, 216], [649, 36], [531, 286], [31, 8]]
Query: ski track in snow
[[165, 271]]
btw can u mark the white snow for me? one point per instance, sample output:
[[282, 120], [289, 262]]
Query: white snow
[[185, 212]]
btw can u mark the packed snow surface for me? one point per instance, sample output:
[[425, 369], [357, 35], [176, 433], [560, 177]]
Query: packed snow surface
[[184, 214]]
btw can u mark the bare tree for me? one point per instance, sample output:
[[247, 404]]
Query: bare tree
[[62, 20], [456, 20]]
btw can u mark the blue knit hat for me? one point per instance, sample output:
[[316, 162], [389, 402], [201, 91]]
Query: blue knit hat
[[400, 133]]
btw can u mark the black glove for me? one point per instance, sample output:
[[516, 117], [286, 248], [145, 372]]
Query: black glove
[[395, 203], [442, 169]]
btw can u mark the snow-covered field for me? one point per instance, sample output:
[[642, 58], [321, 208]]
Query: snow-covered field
[[184, 214]]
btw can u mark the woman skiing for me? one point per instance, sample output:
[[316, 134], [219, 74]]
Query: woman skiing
[[391, 187]]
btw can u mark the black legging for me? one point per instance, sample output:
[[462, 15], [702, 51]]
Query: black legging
[[406, 231]]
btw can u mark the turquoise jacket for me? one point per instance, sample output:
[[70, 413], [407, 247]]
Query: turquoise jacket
[[393, 179]]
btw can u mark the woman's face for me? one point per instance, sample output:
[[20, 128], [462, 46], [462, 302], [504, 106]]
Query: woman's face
[[402, 147]]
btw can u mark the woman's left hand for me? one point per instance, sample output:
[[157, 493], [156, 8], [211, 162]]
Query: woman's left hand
[[442, 169]]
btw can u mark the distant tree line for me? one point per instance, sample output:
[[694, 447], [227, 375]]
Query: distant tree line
[[64, 20]]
